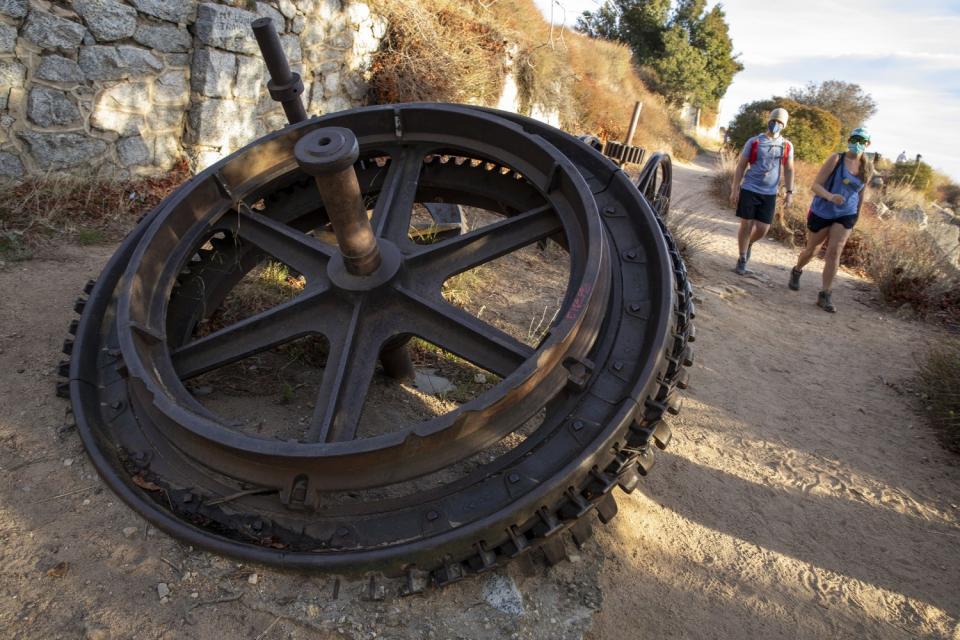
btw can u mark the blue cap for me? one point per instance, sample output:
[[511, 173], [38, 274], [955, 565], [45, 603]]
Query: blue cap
[[862, 132]]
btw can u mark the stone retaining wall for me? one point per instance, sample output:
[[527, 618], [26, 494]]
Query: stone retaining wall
[[133, 86]]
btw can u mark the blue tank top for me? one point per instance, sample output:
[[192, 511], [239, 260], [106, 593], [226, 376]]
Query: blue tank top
[[847, 185]]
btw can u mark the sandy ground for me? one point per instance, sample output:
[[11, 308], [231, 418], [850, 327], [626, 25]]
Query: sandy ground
[[802, 496]]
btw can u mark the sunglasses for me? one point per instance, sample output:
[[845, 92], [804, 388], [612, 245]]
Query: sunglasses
[[858, 140]]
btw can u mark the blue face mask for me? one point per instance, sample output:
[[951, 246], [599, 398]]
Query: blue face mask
[[774, 127], [856, 147]]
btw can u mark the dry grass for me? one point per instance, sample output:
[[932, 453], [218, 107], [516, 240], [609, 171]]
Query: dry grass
[[438, 51], [900, 195], [690, 235], [909, 268], [87, 209], [441, 50], [607, 88], [940, 379]]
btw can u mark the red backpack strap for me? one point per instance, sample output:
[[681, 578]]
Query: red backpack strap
[[754, 146], [786, 152]]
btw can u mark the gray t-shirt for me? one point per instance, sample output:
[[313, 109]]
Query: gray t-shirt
[[763, 176]]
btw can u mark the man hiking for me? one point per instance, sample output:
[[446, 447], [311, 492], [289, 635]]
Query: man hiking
[[764, 159]]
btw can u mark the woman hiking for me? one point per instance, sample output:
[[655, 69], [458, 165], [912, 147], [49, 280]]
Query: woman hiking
[[839, 194]]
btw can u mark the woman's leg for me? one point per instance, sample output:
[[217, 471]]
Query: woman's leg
[[838, 238], [814, 239]]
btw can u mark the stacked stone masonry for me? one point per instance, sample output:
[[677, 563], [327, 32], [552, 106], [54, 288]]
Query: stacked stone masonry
[[131, 86]]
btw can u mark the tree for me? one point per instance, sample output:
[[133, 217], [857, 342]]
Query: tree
[[814, 132], [637, 23], [688, 50], [682, 70], [846, 100], [712, 36]]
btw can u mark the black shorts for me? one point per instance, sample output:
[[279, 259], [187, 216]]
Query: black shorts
[[816, 223], [756, 206]]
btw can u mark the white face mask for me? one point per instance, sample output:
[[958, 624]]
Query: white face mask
[[774, 127]]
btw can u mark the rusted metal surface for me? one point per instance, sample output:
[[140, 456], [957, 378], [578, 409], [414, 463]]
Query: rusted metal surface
[[599, 383], [655, 182], [285, 86]]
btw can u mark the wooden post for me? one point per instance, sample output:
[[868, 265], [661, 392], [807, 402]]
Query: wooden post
[[634, 121], [632, 129]]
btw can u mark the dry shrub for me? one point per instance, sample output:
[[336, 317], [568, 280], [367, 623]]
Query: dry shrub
[[909, 268], [85, 208], [689, 236], [607, 88], [940, 377], [440, 50], [724, 169], [437, 51], [900, 195]]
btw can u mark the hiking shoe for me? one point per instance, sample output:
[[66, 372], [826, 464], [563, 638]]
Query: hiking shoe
[[741, 268], [795, 279], [824, 302]]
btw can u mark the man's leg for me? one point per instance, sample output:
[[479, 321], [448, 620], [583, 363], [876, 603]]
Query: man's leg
[[758, 231], [743, 236]]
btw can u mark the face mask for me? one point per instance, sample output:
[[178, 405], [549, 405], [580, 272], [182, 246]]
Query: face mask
[[774, 127], [856, 147]]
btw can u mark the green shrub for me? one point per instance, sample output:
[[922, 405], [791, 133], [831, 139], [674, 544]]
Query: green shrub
[[920, 176], [813, 132]]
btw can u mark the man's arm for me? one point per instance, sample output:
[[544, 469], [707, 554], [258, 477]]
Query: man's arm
[[788, 175], [737, 178]]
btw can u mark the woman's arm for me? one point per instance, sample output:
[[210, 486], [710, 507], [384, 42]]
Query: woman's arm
[[818, 185]]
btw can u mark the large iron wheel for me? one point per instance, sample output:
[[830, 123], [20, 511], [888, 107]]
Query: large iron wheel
[[596, 386]]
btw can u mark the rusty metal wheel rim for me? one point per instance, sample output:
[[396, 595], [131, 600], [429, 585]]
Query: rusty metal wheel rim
[[448, 522], [152, 374]]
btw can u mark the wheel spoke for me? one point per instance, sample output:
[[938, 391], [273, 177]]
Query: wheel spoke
[[296, 249], [394, 207], [439, 261], [346, 378], [287, 321], [463, 334]]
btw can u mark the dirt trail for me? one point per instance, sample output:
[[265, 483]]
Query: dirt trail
[[801, 496]]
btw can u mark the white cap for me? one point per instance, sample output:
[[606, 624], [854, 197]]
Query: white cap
[[779, 114]]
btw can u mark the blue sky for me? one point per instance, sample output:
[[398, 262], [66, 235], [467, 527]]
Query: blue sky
[[905, 54]]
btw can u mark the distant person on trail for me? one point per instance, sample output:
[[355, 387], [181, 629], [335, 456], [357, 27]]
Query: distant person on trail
[[839, 189], [765, 157], [902, 157]]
